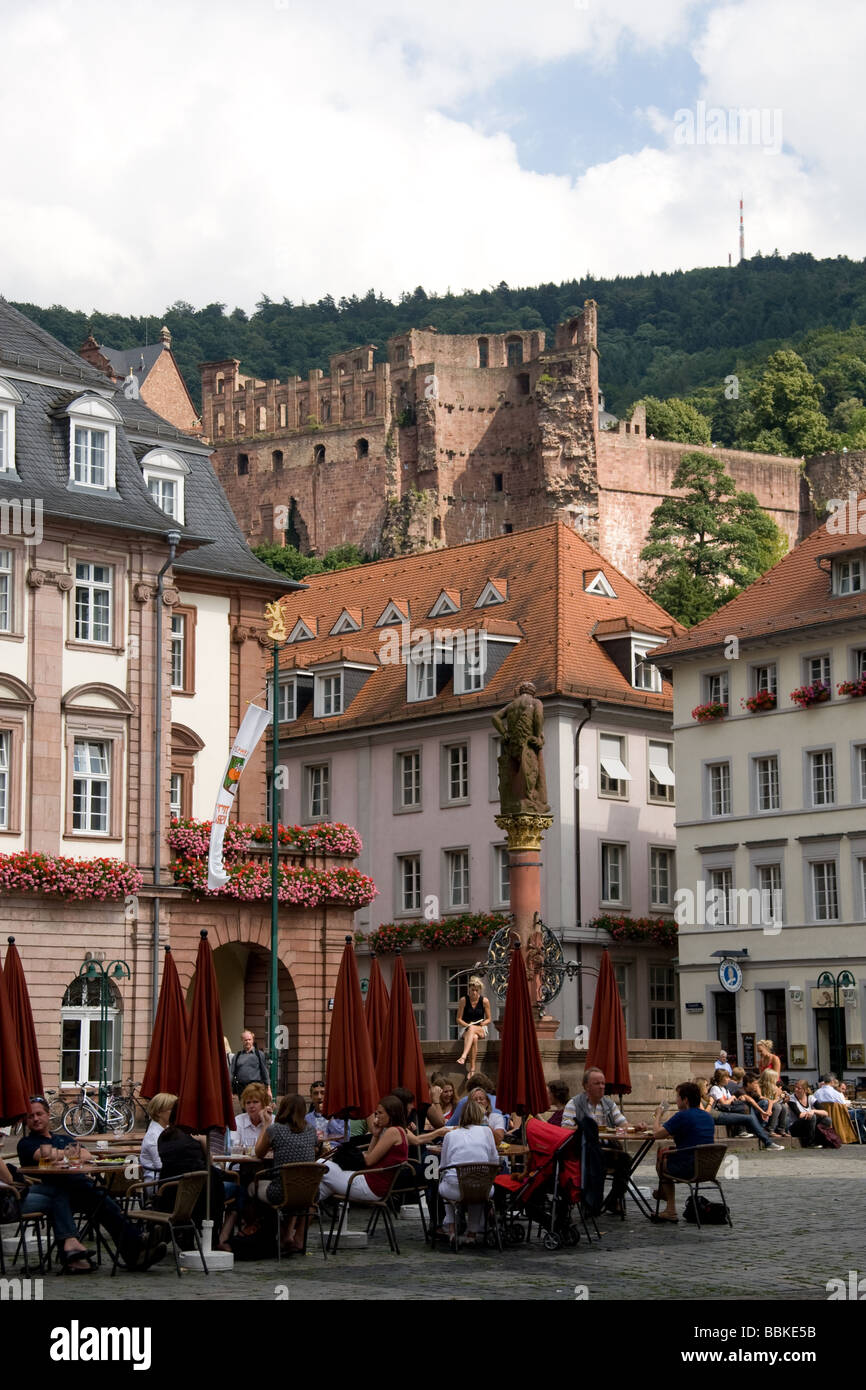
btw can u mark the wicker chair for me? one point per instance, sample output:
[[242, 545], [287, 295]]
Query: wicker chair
[[300, 1189], [189, 1188], [31, 1221], [707, 1159], [475, 1181], [379, 1206]]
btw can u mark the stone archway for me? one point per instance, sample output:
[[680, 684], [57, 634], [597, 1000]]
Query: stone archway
[[243, 970]]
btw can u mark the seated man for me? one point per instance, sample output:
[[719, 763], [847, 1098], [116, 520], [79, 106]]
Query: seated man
[[607, 1115], [689, 1127], [63, 1196], [722, 1063], [828, 1093]]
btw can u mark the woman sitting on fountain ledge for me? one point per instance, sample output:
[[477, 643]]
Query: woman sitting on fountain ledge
[[473, 1020]]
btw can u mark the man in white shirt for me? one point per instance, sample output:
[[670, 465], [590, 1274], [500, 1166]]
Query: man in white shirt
[[722, 1064], [607, 1115], [827, 1092]]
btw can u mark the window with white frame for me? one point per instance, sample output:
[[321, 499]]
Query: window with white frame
[[409, 778], [822, 778], [92, 442], [417, 982], [91, 786], [328, 695], [318, 777], [764, 678], [720, 899], [164, 493], [286, 711], [661, 877], [859, 662], [614, 866], [662, 783], [770, 887], [817, 669], [847, 576], [719, 782], [825, 891], [860, 783], [5, 741], [861, 879], [93, 585], [164, 473], [409, 882], [716, 688], [457, 772], [90, 456], [470, 661], [9, 399], [644, 675], [767, 797], [457, 877], [6, 591], [501, 876], [663, 997], [420, 680], [614, 776], [82, 1021], [178, 640], [176, 794]]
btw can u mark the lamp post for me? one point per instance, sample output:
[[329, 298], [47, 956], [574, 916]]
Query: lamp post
[[93, 969], [844, 980], [277, 636]]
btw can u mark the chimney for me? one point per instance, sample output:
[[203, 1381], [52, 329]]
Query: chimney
[[165, 338]]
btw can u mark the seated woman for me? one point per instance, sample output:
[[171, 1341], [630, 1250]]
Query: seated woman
[[494, 1119], [471, 1142], [388, 1148], [768, 1060], [703, 1086], [443, 1101], [804, 1116], [291, 1140], [741, 1113], [159, 1110], [689, 1127], [181, 1151], [772, 1092], [473, 1020], [558, 1093]]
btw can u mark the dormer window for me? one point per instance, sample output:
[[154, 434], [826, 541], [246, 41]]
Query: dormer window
[[328, 695], [164, 473], [470, 663], [644, 675], [447, 603], [395, 612], [302, 631], [348, 621], [9, 398], [597, 583], [494, 591], [421, 680], [848, 576], [92, 442]]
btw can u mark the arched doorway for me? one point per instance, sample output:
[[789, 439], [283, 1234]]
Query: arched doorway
[[243, 972]]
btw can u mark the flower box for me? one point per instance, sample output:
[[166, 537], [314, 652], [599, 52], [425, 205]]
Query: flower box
[[852, 688], [445, 933], [705, 714], [761, 700], [806, 695], [657, 931]]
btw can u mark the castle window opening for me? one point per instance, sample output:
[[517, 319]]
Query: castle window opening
[[284, 415], [263, 418], [319, 454], [277, 460], [507, 528], [302, 411], [523, 384], [362, 448], [514, 352], [483, 352], [220, 385], [341, 368], [326, 409], [359, 364], [221, 422], [369, 402], [243, 465], [437, 528], [497, 482], [400, 354]]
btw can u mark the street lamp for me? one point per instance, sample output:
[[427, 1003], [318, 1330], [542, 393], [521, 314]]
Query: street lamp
[[278, 638], [844, 980], [93, 969]]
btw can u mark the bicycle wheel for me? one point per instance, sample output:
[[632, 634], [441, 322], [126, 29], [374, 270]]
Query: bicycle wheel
[[120, 1116], [56, 1114], [79, 1120]]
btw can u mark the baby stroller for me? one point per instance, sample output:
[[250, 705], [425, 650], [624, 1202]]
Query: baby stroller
[[550, 1188]]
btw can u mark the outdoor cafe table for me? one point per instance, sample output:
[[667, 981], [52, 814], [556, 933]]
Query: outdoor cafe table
[[643, 1141], [98, 1171]]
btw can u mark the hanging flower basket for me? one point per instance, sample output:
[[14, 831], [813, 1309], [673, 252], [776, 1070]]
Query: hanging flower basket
[[853, 688], [807, 695], [445, 933], [705, 714], [761, 700], [658, 931]]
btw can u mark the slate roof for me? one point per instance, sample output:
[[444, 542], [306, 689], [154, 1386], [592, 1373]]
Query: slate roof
[[794, 596], [211, 541], [547, 606], [137, 360]]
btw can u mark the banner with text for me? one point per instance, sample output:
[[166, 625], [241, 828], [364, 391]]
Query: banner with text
[[254, 723]]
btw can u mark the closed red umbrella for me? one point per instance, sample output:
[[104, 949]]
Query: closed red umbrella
[[168, 1044], [520, 1084], [376, 1007], [400, 1061], [22, 1019], [14, 1095], [608, 1049], [350, 1077], [204, 1095]]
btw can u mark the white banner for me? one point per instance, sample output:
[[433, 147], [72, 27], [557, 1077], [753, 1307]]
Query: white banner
[[255, 721]]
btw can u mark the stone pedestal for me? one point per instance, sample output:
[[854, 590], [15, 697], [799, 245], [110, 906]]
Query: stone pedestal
[[524, 831]]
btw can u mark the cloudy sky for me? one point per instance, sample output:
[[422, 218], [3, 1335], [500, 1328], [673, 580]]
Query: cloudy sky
[[206, 150]]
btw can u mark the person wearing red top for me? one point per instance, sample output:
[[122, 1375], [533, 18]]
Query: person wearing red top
[[388, 1148], [767, 1058]]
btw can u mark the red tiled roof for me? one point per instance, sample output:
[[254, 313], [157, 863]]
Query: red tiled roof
[[546, 606], [793, 596]]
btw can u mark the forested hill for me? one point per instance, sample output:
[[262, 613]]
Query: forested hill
[[659, 335]]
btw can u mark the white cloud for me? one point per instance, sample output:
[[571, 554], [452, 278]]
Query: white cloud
[[213, 151]]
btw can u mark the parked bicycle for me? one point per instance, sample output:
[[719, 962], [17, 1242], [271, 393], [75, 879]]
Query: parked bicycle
[[84, 1115]]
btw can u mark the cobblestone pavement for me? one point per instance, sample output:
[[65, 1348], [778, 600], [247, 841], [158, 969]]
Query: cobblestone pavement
[[799, 1218]]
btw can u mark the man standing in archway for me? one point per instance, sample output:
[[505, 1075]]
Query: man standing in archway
[[249, 1065]]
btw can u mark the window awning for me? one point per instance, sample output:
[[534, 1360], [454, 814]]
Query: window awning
[[660, 767], [609, 749]]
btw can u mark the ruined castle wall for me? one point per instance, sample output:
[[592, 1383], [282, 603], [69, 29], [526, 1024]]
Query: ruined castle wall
[[835, 475], [636, 473]]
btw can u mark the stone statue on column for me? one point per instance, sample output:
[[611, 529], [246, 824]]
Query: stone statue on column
[[524, 815]]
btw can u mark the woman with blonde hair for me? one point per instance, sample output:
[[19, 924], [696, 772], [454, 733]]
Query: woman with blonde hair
[[767, 1058], [471, 1141], [772, 1091], [473, 1020], [158, 1109]]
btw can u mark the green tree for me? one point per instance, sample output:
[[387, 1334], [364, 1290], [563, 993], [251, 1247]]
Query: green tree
[[705, 546], [785, 408], [286, 559], [676, 420]]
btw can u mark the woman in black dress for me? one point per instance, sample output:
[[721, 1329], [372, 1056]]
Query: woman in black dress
[[473, 1019]]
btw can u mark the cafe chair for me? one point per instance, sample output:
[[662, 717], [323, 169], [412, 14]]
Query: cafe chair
[[188, 1189], [26, 1225], [300, 1190], [475, 1181], [379, 1206], [707, 1159]]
